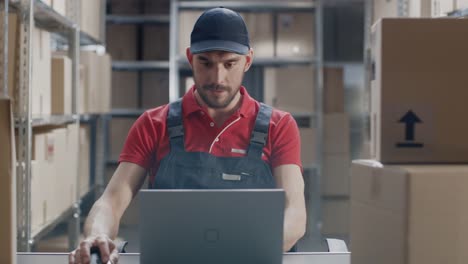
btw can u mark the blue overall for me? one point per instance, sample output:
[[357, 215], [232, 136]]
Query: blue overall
[[200, 170]]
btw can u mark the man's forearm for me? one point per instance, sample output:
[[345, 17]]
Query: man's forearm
[[294, 227], [102, 221]]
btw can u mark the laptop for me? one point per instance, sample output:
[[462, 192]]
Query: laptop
[[211, 226]]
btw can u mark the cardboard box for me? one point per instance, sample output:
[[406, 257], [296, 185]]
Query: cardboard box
[[156, 42], [83, 91], [91, 18], [294, 89], [41, 73], [155, 89], [335, 174], [125, 89], [119, 129], [335, 217], [187, 20], [122, 42], [295, 35], [308, 146], [336, 133], [8, 186], [125, 7], [419, 91], [97, 81], [157, 7], [260, 28], [408, 214], [333, 94], [61, 86]]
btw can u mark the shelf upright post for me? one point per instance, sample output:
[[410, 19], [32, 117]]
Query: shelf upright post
[[74, 54], [173, 49], [4, 49], [315, 204], [24, 126]]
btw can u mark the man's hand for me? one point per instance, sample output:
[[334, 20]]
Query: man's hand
[[107, 249]]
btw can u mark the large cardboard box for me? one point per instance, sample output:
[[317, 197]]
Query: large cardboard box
[[122, 41], [155, 89], [333, 94], [61, 86], [125, 89], [294, 89], [260, 28], [408, 214], [119, 131], [295, 35], [335, 174], [156, 42], [8, 186], [419, 92], [97, 81], [41, 73], [335, 217], [336, 133], [91, 18], [308, 146]]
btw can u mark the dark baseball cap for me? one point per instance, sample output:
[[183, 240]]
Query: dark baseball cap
[[220, 29]]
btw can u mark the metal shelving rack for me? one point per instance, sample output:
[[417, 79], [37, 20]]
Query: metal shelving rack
[[314, 119], [36, 13]]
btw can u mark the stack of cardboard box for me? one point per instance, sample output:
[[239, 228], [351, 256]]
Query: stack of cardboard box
[[54, 173], [409, 204], [336, 157], [96, 96]]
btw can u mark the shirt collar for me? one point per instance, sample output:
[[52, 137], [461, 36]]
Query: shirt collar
[[190, 104]]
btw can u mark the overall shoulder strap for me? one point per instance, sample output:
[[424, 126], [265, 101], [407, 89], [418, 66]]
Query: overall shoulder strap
[[260, 132]]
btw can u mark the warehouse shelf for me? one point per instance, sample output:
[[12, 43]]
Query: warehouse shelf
[[66, 35], [265, 62], [37, 235], [53, 120], [127, 112], [139, 19], [305, 119], [140, 65], [285, 6], [48, 19], [112, 162]]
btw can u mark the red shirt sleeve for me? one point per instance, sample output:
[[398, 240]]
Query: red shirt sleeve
[[286, 142], [140, 146]]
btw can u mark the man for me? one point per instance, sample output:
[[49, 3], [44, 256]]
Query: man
[[216, 137]]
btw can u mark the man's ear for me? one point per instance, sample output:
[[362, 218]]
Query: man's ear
[[249, 60], [189, 55]]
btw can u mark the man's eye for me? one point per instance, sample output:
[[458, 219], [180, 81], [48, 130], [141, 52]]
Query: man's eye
[[229, 65]]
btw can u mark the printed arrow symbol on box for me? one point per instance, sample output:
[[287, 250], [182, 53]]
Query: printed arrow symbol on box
[[410, 119]]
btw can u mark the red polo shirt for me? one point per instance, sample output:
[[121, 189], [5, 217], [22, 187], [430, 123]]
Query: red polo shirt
[[147, 142]]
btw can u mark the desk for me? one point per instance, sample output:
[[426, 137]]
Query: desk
[[134, 258]]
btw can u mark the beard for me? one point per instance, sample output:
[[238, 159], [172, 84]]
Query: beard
[[216, 102]]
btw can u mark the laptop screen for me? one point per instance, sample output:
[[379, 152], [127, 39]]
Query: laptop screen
[[211, 226]]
